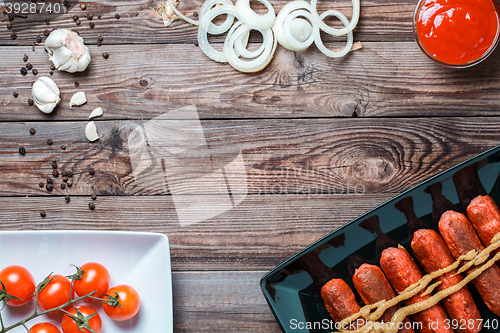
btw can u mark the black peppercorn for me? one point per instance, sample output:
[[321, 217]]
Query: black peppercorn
[[34, 71], [91, 171], [69, 174], [143, 83], [91, 206], [9, 26], [55, 173], [89, 16], [93, 196], [25, 58], [67, 198], [105, 55], [63, 147], [83, 6], [46, 33], [78, 22], [40, 184], [70, 183], [54, 164], [49, 180], [66, 3], [99, 16], [77, 84], [32, 131], [63, 186], [15, 94], [195, 14], [24, 71], [13, 35], [100, 38], [50, 142], [92, 25], [49, 187], [75, 18], [65, 178], [30, 102], [43, 213], [117, 16], [51, 73], [52, 67], [39, 39], [29, 66], [22, 150], [99, 43]]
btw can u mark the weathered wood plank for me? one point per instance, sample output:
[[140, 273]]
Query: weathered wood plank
[[221, 302], [139, 23], [380, 80], [258, 234], [278, 156]]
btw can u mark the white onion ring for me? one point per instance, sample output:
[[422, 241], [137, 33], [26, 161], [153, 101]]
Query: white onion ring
[[292, 21], [319, 42], [318, 21], [180, 15], [205, 21], [259, 62], [287, 40], [248, 16], [214, 29]]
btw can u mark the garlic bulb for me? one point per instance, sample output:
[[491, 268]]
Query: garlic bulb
[[45, 94], [67, 51]]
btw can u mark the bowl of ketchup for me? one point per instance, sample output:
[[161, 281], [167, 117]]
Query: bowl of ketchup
[[457, 33]]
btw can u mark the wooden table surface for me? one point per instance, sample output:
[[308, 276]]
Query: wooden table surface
[[323, 141]]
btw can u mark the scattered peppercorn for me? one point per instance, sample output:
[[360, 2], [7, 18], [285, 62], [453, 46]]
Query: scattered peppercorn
[[54, 164], [52, 67], [91, 206], [40, 184], [100, 38], [143, 83], [99, 16], [105, 55], [91, 171], [46, 33], [69, 174], [63, 147], [51, 73], [83, 6], [22, 150], [49, 187], [32, 131], [93, 196], [32, 82], [55, 173], [92, 25], [89, 16], [196, 43], [43, 213], [117, 16], [63, 186], [30, 102], [66, 3], [25, 58], [15, 94], [13, 35], [70, 183], [78, 22], [65, 178], [24, 71], [29, 66], [34, 71], [49, 180], [47, 22], [75, 18], [50, 142], [67, 198], [195, 14], [77, 84], [9, 26], [99, 43], [39, 39]]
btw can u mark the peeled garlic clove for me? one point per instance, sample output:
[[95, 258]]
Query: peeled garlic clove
[[78, 99], [91, 132], [67, 51], [45, 94], [96, 113]]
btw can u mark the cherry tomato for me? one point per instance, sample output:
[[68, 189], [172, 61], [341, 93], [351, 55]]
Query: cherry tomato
[[44, 328], [95, 278], [69, 325], [55, 294], [18, 282], [129, 300]]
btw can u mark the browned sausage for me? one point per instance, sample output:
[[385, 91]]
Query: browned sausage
[[460, 237], [433, 254], [340, 300], [484, 215], [401, 271], [372, 286]]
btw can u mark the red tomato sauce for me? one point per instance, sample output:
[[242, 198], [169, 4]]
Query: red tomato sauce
[[457, 32]]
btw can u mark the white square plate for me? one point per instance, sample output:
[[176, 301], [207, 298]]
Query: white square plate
[[141, 260]]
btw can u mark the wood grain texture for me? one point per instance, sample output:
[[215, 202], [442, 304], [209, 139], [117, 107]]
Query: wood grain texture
[[380, 80], [140, 25], [258, 234], [221, 302], [279, 156]]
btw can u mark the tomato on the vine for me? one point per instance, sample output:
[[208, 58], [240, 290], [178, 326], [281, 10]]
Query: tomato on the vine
[[70, 325], [55, 293], [95, 277], [129, 302], [44, 328], [19, 283]]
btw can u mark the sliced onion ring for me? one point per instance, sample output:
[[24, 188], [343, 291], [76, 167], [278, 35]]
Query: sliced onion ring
[[248, 16], [319, 42], [279, 25], [334, 31], [215, 29]]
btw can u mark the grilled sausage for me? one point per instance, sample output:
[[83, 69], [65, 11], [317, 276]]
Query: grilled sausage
[[460, 237], [340, 301], [484, 215], [433, 254], [372, 286], [401, 271]]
